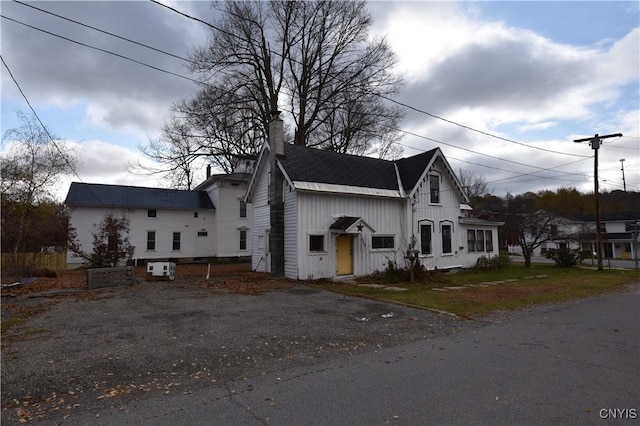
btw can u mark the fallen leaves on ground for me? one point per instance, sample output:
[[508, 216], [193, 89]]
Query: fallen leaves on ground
[[237, 278]]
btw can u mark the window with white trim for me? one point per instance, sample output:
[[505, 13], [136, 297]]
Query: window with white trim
[[480, 240], [243, 239], [446, 239], [471, 240], [176, 241], [379, 242], [425, 239], [151, 240], [488, 239], [316, 243], [434, 188]]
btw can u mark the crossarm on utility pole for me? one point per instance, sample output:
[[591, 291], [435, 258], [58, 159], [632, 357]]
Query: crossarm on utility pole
[[595, 143]]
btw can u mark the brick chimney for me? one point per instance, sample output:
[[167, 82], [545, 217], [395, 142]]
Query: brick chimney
[[276, 201], [276, 134]]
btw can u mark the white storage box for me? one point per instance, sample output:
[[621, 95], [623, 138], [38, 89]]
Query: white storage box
[[158, 270]]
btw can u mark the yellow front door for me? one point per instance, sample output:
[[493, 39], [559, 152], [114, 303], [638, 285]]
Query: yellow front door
[[344, 254]]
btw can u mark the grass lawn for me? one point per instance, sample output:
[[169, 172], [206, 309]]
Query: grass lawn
[[483, 292]]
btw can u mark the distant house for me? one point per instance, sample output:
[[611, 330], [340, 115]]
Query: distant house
[[209, 222], [560, 233], [619, 231], [320, 214]]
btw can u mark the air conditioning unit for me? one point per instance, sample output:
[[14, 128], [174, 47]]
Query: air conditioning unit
[[161, 270]]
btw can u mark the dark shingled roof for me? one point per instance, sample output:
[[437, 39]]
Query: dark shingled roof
[[98, 195], [320, 166], [343, 223], [411, 168]]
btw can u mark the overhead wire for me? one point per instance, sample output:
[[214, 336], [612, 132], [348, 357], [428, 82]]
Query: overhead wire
[[66, 160], [582, 157], [384, 97], [378, 94], [62, 154], [105, 51], [105, 32]]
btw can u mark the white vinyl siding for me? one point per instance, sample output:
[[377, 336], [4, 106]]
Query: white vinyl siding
[[290, 232], [163, 225], [316, 213], [260, 225]]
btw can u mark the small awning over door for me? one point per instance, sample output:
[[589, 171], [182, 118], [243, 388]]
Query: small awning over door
[[349, 225]]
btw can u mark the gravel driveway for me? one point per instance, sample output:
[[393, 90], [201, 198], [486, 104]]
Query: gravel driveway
[[158, 338]]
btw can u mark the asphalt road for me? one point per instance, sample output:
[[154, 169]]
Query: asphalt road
[[571, 363]]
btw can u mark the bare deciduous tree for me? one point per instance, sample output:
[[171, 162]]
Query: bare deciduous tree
[[314, 60], [525, 224], [30, 167], [475, 185]]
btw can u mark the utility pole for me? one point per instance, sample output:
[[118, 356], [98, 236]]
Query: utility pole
[[624, 183], [595, 143]]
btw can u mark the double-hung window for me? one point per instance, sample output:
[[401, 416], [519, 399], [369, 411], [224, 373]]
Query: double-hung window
[[446, 239], [488, 238], [243, 240], [480, 241], [471, 240], [151, 240], [425, 239], [176, 241], [434, 189]]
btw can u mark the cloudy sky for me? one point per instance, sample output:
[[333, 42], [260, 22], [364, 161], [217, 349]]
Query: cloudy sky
[[503, 88]]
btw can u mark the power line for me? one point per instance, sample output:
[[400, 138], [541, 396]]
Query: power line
[[199, 82], [66, 160], [474, 152], [518, 174], [105, 51], [378, 94], [106, 32], [477, 130]]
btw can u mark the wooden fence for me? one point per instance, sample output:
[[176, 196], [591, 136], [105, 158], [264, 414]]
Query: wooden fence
[[30, 261]]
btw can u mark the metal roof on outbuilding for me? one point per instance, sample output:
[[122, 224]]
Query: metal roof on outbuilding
[[100, 195]]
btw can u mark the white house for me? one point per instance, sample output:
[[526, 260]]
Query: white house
[[209, 222], [620, 234], [561, 233], [232, 222], [320, 214]]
